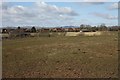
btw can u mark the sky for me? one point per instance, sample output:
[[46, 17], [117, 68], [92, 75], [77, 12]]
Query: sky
[[55, 14]]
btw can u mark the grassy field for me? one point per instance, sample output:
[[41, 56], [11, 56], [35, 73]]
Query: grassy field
[[60, 56]]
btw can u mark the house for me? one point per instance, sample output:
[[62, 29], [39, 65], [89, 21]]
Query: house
[[85, 30], [77, 29], [70, 30], [44, 30], [59, 29]]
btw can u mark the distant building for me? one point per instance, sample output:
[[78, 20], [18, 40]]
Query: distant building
[[85, 30], [44, 30]]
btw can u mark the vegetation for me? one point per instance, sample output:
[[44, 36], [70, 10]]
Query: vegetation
[[102, 27], [33, 29], [59, 56]]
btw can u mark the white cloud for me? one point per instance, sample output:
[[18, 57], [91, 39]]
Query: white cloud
[[105, 16], [16, 9], [114, 6], [43, 14], [54, 9], [39, 14]]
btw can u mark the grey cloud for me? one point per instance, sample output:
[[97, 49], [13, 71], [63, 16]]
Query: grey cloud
[[105, 16], [95, 0], [5, 5], [96, 3]]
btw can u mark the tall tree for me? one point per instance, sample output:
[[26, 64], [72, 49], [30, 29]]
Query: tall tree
[[82, 26], [18, 27], [103, 27], [33, 29]]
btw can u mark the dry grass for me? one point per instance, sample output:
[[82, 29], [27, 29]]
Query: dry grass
[[79, 57], [72, 34], [83, 33], [5, 35], [92, 33]]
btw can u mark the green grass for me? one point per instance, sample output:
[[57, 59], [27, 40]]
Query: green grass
[[59, 56]]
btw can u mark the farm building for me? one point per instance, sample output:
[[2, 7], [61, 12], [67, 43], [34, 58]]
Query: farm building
[[85, 30]]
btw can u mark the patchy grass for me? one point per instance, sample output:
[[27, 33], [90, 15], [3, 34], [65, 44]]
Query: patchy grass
[[67, 57]]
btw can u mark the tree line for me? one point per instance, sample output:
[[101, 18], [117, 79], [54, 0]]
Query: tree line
[[101, 27]]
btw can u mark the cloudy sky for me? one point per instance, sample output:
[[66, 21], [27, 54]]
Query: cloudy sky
[[51, 14]]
